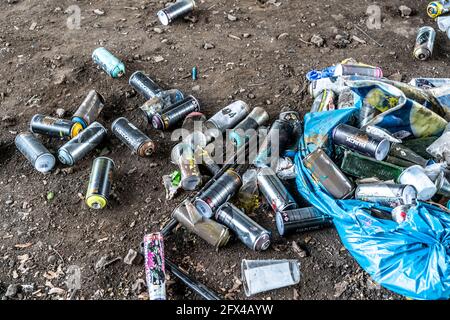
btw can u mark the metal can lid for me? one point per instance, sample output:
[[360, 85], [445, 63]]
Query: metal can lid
[[96, 202], [45, 163], [382, 150], [163, 17], [280, 223], [263, 242], [65, 157], [158, 122]]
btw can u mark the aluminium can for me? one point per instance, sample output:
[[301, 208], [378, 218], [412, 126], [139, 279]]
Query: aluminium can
[[400, 213], [54, 127], [227, 118], [388, 195], [178, 9], [90, 109], [108, 62], [218, 193], [155, 272], [361, 142], [426, 37], [144, 85], [82, 144], [100, 181], [247, 230], [301, 220], [35, 152], [132, 137], [274, 191], [175, 113], [246, 128], [438, 8]]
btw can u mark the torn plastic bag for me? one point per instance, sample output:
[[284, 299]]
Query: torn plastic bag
[[411, 258]]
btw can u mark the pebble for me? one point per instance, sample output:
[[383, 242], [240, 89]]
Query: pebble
[[12, 290], [208, 46], [27, 288], [231, 17], [158, 30], [405, 11], [158, 59], [196, 88], [51, 259], [60, 112], [317, 40], [130, 257], [99, 12], [283, 35]]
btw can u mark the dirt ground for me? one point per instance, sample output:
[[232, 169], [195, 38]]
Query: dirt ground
[[261, 57]]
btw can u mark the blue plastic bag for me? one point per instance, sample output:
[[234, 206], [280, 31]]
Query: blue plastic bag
[[411, 258]]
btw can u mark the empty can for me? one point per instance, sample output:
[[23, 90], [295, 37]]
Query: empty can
[[132, 137], [276, 194], [361, 142], [178, 9], [248, 231], [35, 152], [358, 70], [218, 193], [301, 220], [417, 177], [108, 62], [184, 157], [54, 127], [325, 172], [424, 43], [388, 195], [155, 271], [175, 113], [143, 85], [82, 144], [89, 109], [246, 128], [100, 181]]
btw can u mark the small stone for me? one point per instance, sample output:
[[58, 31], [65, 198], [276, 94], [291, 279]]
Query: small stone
[[251, 96], [33, 26], [60, 112], [283, 35], [50, 196], [405, 11], [138, 286], [27, 288], [231, 17], [196, 88], [130, 257], [9, 202], [208, 46], [51, 259], [12, 290], [99, 12], [158, 59], [246, 35], [317, 40], [158, 30]]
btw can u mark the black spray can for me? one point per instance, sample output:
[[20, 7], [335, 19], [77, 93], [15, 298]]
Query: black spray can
[[54, 127], [82, 144], [276, 194], [89, 109], [100, 181], [132, 137], [35, 152], [248, 231], [218, 193], [143, 85], [361, 142], [175, 113], [301, 220]]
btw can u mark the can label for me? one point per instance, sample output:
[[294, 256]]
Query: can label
[[154, 266]]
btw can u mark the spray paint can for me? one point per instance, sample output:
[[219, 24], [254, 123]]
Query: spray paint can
[[178, 9], [301, 220], [203, 157], [275, 143], [276, 194], [143, 85], [361, 142], [155, 271], [388, 195], [193, 130], [248, 231], [218, 193], [54, 127], [227, 118], [358, 70], [209, 230], [324, 101], [243, 131], [400, 213], [400, 151], [327, 174], [99, 188], [438, 8], [175, 113], [81, 145], [89, 109], [132, 137], [424, 43], [108, 62], [35, 152], [183, 156]]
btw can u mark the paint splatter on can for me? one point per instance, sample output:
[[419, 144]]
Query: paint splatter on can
[[132, 137], [178, 9], [108, 62], [389, 195], [100, 181], [248, 231], [89, 109], [424, 43], [276, 194], [175, 113], [155, 271], [35, 152], [54, 127], [82, 144]]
